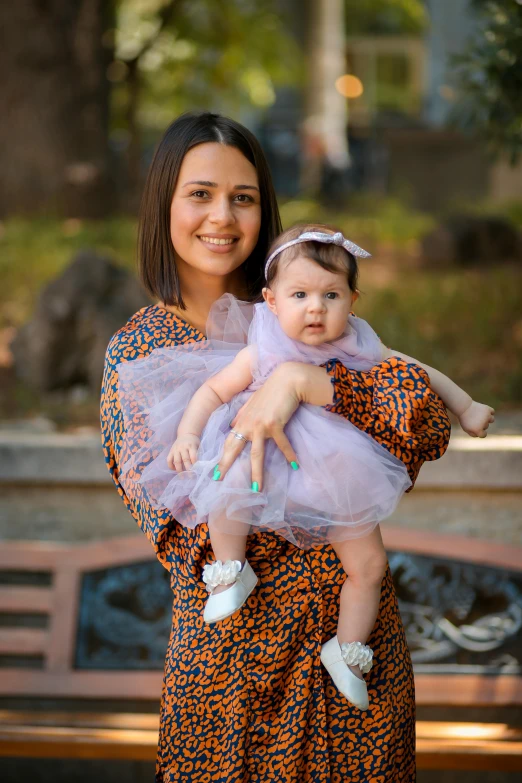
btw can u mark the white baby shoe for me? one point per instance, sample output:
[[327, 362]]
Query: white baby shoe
[[243, 581], [337, 658]]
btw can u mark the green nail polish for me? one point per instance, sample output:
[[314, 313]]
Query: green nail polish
[[217, 474], [255, 486], [294, 466]]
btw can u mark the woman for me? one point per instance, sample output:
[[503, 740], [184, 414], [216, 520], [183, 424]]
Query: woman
[[246, 699]]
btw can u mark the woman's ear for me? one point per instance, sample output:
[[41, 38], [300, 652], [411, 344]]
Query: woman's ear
[[268, 296]]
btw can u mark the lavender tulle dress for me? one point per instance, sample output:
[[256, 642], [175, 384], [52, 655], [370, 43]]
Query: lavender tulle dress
[[346, 482]]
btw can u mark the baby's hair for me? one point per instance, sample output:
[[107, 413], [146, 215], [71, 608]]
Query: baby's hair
[[333, 258]]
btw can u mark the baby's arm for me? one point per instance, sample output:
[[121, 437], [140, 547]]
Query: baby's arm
[[474, 417], [219, 389]]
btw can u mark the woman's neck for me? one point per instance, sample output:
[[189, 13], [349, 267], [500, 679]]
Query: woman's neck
[[200, 294]]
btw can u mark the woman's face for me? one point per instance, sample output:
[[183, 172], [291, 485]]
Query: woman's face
[[215, 215]]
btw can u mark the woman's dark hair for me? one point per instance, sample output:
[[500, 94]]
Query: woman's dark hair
[[156, 257], [331, 257]]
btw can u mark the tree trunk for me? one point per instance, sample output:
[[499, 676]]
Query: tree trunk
[[54, 151], [326, 120]]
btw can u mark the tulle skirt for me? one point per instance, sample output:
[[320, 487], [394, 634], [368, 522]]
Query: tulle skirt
[[345, 485]]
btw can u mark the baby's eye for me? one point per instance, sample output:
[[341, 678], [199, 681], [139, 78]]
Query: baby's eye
[[332, 295], [299, 294]]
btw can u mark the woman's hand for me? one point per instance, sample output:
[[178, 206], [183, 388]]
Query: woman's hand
[[269, 409]]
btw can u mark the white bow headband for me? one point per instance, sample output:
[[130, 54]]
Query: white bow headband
[[319, 236]]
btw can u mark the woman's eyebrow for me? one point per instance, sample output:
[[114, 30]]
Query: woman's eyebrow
[[204, 182], [208, 184]]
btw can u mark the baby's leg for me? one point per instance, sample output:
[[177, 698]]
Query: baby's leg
[[364, 560], [227, 545]]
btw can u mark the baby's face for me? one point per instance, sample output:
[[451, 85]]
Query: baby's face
[[311, 303]]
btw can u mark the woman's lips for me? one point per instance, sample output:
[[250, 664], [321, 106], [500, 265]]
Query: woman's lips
[[219, 244]]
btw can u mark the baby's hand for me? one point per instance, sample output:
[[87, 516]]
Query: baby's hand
[[184, 453], [476, 419]]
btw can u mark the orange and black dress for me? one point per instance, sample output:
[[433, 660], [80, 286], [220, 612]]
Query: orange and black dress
[[246, 700]]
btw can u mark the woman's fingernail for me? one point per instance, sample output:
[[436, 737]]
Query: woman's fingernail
[[217, 473], [255, 486], [294, 466]]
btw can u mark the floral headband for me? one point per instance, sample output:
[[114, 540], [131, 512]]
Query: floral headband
[[319, 236]]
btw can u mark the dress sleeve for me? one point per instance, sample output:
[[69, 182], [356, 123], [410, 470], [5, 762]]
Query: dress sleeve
[[162, 530], [394, 403]]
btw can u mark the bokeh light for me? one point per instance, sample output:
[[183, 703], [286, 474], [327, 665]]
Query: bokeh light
[[349, 86]]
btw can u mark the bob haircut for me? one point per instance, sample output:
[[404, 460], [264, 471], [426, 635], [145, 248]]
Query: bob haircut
[[330, 257], [156, 256]]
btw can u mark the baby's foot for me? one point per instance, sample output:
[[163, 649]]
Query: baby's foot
[[346, 676], [354, 669], [220, 589], [236, 582], [218, 575]]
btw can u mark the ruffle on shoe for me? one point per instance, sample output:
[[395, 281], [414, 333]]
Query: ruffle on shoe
[[219, 573], [357, 654]]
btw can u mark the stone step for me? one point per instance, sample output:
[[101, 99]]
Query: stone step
[[492, 463], [26, 458], [56, 487]]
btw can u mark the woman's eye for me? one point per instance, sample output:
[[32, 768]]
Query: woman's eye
[[244, 199], [199, 193], [332, 295], [299, 294]]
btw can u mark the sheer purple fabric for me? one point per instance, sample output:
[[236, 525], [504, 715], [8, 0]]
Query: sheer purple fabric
[[346, 482]]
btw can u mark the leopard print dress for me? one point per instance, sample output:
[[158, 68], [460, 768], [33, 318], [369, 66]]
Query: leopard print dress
[[247, 700]]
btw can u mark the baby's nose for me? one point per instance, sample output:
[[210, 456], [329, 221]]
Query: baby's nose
[[316, 304]]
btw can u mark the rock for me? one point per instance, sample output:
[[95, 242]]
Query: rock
[[472, 240], [63, 346]]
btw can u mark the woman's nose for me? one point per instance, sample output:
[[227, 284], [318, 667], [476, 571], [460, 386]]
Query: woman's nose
[[221, 212]]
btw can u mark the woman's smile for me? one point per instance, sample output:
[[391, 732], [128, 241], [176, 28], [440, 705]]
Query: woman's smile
[[218, 243]]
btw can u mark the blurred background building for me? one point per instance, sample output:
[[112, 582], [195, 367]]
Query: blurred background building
[[400, 115]]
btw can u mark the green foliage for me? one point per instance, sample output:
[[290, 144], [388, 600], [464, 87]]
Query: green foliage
[[511, 210], [467, 323], [221, 54], [488, 78], [385, 17], [367, 218]]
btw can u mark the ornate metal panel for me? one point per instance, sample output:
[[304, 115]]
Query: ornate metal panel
[[125, 618], [459, 617]]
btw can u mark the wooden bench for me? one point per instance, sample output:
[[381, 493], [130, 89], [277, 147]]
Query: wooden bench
[[63, 657], [440, 745]]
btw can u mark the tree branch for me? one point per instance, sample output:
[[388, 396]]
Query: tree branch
[[165, 16]]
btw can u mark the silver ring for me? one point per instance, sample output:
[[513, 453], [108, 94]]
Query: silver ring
[[239, 436]]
